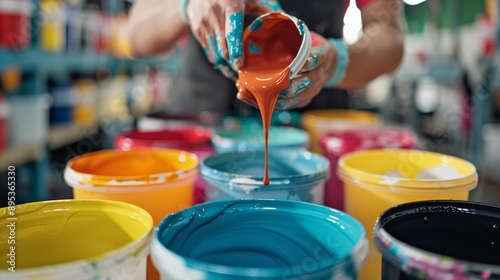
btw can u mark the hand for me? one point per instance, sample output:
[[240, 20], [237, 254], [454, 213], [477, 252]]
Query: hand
[[317, 70], [218, 27]]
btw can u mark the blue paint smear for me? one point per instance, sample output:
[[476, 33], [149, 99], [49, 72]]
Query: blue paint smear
[[263, 239], [254, 48], [256, 25], [314, 62], [235, 36], [301, 27], [214, 49]]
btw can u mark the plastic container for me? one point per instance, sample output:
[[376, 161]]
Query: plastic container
[[74, 28], [318, 122], [259, 239], [63, 100], [158, 180], [376, 180], [85, 110], [251, 137], [439, 240], [15, 24], [294, 174], [336, 144], [28, 122], [195, 139], [52, 26], [75, 239]]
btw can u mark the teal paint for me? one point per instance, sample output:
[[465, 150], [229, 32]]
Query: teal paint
[[256, 25], [273, 5], [295, 175], [254, 48], [235, 36], [260, 239]]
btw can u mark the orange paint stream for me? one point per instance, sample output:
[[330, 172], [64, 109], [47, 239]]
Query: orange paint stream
[[266, 72]]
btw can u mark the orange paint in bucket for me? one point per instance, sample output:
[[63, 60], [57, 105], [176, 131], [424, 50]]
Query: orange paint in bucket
[[161, 181]]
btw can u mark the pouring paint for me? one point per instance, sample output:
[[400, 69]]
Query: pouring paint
[[276, 46], [230, 240], [439, 240]]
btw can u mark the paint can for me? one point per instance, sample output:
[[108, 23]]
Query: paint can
[[338, 143], [439, 240], [376, 180], [294, 174], [75, 239], [157, 180], [250, 137], [266, 23], [318, 122], [15, 24], [192, 139], [259, 239]]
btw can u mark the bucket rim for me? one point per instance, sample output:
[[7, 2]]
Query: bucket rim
[[318, 116], [356, 257], [91, 266], [402, 254], [245, 182], [394, 184], [80, 180]]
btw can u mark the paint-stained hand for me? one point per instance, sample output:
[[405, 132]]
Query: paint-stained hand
[[218, 27]]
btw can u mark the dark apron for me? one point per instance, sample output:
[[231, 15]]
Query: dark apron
[[199, 87]]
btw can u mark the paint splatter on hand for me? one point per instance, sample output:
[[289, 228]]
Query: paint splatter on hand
[[318, 68], [218, 27]]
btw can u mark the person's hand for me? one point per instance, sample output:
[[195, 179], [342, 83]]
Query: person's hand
[[218, 27], [308, 83]]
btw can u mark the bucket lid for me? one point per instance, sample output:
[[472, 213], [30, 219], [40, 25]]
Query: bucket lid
[[344, 141], [24, 8], [185, 138], [407, 171], [426, 264]]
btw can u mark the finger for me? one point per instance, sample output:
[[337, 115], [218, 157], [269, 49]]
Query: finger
[[287, 103], [297, 85], [234, 33], [216, 21], [300, 104], [247, 99], [316, 58], [271, 5]]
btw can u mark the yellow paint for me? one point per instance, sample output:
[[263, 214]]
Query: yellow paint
[[367, 195], [317, 122], [57, 232], [11, 78]]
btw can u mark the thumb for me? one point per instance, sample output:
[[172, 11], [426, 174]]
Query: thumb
[[317, 55]]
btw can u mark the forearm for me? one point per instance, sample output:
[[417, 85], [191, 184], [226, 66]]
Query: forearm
[[154, 26], [379, 51]]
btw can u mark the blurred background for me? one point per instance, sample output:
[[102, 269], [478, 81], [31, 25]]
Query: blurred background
[[68, 86]]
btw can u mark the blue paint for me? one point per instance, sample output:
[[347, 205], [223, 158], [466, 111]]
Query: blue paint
[[273, 5], [301, 27], [295, 175], [284, 104], [214, 49], [296, 86], [259, 239], [250, 136], [235, 36], [256, 25], [254, 48], [314, 62]]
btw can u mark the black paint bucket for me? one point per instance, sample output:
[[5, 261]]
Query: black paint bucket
[[439, 240]]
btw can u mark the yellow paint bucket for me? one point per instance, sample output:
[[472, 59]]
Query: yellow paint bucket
[[74, 239], [158, 180], [376, 180], [318, 122]]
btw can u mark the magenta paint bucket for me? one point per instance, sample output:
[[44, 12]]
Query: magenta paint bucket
[[335, 144], [439, 240], [192, 139]]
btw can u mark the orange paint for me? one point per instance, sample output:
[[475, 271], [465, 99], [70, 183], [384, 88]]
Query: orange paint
[[266, 72]]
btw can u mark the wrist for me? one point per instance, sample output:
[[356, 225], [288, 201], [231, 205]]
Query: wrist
[[183, 10], [342, 61]]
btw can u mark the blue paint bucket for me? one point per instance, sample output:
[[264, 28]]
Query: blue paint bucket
[[259, 239], [295, 175], [250, 137]]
